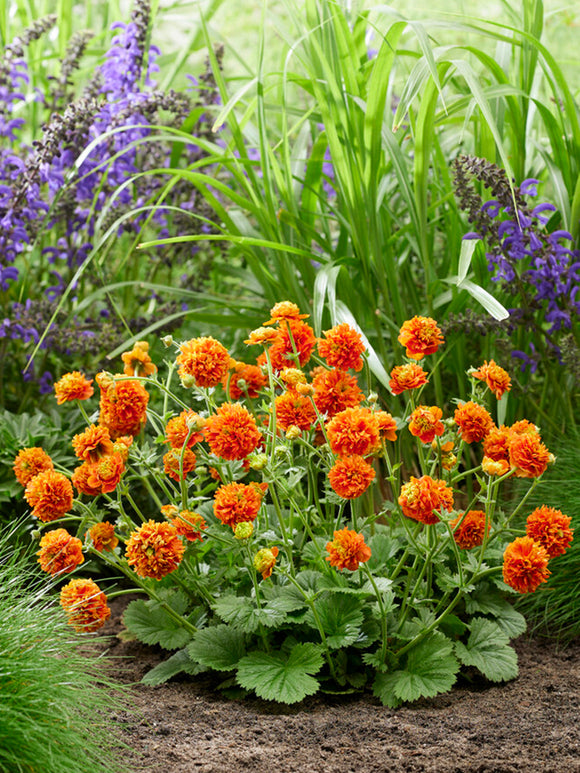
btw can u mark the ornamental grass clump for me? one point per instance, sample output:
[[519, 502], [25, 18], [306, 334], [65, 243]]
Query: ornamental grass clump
[[281, 540], [56, 699]]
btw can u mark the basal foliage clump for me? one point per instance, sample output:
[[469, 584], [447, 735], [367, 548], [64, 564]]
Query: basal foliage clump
[[264, 512]]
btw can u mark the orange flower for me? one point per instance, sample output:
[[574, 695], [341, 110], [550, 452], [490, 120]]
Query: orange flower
[[497, 379], [80, 479], [123, 406], [105, 473], [178, 428], [425, 423], [205, 359], [524, 427], [245, 380], [351, 476], [284, 310], [497, 442], [420, 336], [353, 431], [471, 531], [154, 550], [551, 529], [282, 350], [93, 443], [347, 550], [172, 463], [237, 502], [50, 494], [29, 463], [335, 390], [103, 536], [73, 386], [138, 362], [265, 560], [342, 348], [189, 524], [525, 565], [85, 605], [474, 422], [420, 497], [387, 425], [495, 467], [232, 432], [294, 410], [261, 336], [60, 552], [404, 377], [529, 456]]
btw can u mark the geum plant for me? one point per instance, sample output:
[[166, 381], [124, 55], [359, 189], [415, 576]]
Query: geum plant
[[296, 553]]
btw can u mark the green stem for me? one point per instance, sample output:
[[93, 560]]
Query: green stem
[[280, 515], [384, 642], [310, 604]]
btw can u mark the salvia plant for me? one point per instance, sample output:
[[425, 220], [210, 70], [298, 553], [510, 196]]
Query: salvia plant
[[264, 512], [80, 186], [534, 264]]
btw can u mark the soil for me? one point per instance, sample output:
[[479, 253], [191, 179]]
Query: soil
[[530, 724]]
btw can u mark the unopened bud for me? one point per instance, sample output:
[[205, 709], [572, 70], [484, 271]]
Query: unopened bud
[[448, 461], [293, 432], [105, 380], [305, 389], [167, 341], [258, 461], [244, 530], [195, 422], [372, 398], [187, 381]]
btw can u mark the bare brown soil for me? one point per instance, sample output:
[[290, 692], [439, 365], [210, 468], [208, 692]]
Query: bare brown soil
[[531, 724]]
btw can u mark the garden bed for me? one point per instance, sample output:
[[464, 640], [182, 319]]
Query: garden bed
[[187, 725]]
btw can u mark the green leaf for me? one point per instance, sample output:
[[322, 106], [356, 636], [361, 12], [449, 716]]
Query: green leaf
[[488, 650], [511, 622], [485, 599], [286, 599], [338, 583], [375, 659], [152, 624], [309, 579], [430, 669], [383, 548], [178, 663], [275, 677], [242, 613], [219, 647], [383, 586], [341, 618], [451, 625]]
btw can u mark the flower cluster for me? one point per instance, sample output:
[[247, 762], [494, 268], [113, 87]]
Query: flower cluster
[[267, 503]]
